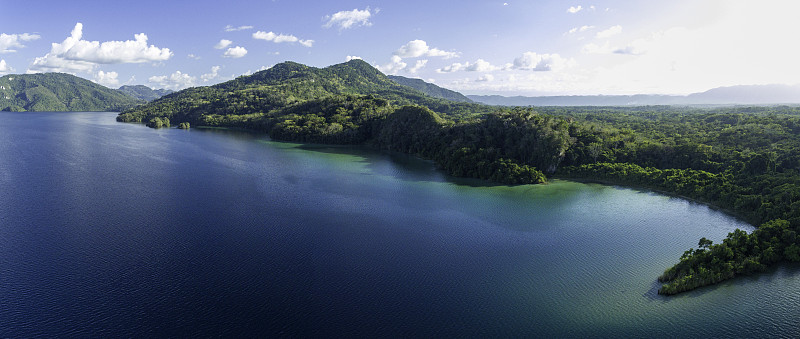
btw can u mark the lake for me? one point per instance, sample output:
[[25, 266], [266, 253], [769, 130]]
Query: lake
[[112, 229]]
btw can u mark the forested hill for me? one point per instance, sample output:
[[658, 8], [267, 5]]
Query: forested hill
[[430, 89], [143, 92], [59, 92], [291, 83]]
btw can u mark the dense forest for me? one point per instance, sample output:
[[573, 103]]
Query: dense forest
[[741, 159], [52, 92]]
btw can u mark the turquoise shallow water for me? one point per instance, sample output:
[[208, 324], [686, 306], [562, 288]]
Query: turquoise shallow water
[[118, 229]]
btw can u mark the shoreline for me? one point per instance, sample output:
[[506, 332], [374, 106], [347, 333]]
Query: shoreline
[[711, 205]]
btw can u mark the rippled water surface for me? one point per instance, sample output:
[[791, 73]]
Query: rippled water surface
[[111, 229]]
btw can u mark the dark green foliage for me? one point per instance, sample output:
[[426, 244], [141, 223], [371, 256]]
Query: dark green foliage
[[144, 93], [429, 89], [59, 92], [183, 125], [741, 159], [288, 84], [158, 122]]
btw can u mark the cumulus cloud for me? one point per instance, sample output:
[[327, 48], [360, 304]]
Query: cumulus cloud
[[174, 81], [222, 44], [75, 54], [279, 38], [394, 66], [611, 31], [349, 19], [532, 61], [479, 65], [574, 9], [192, 56], [352, 57], [417, 66], [4, 67], [455, 67], [235, 52], [418, 48], [211, 76], [230, 28], [108, 79], [9, 42]]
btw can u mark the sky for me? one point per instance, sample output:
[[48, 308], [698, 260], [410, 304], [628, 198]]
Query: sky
[[552, 47]]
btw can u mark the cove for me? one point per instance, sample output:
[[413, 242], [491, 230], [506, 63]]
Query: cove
[[112, 229]]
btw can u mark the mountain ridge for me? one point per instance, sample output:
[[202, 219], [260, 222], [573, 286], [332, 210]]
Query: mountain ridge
[[430, 89], [59, 92], [143, 92], [290, 83]]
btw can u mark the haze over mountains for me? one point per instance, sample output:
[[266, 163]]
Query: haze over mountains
[[734, 95]]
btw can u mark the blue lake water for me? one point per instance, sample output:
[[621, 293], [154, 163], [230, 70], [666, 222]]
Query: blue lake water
[[112, 229]]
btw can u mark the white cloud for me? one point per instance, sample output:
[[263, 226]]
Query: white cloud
[[417, 66], [349, 19], [479, 65], [574, 9], [108, 79], [211, 76], [174, 81], [352, 57], [8, 42], [279, 38], [455, 67], [611, 31], [269, 36], [75, 54], [394, 66], [230, 28], [235, 52], [4, 67], [418, 48], [541, 62], [485, 78], [222, 44], [192, 56], [580, 29]]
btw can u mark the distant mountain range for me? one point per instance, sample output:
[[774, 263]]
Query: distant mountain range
[[429, 88], [734, 95], [59, 92], [143, 92], [64, 92]]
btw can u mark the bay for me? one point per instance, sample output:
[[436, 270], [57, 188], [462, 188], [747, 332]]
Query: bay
[[111, 229]]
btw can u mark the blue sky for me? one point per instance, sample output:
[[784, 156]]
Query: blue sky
[[477, 47]]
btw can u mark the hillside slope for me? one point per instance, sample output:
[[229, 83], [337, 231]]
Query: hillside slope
[[287, 84], [59, 92], [430, 89]]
